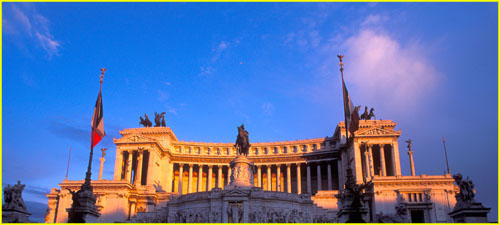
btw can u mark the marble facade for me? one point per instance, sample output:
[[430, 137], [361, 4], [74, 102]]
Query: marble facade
[[153, 169]]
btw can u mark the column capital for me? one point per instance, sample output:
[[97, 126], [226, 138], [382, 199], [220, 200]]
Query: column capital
[[190, 165], [140, 150], [181, 164], [288, 165], [210, 166]]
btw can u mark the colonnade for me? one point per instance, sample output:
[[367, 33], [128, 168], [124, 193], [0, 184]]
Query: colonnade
[[287, 177], [379, 159], [255, 150], [135, 166]]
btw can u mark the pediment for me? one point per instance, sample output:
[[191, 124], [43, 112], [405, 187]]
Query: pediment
[[377, 132], [134, 138]]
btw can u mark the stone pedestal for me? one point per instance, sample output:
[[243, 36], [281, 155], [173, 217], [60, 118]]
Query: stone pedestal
[[345, 215], [15, 216], [83, 209], [241, 173], [471, 213]]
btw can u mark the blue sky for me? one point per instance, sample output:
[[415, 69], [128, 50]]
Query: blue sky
[[430, 67]]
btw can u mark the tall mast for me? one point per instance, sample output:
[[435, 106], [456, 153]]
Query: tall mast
[[446, 156]]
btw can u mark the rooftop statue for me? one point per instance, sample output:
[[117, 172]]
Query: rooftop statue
[[146, 122], [158, 118], [364, 116], [371, 115], [242, 142]]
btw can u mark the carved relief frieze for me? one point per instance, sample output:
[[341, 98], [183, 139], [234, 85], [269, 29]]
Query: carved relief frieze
[[375, 131], [134, 138]]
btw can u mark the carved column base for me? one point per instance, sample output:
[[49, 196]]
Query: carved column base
[[471, 213], [84, 210], [15, 216], [241, 173]]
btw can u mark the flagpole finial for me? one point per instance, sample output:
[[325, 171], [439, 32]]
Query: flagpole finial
[[341, 63], [102, 73]]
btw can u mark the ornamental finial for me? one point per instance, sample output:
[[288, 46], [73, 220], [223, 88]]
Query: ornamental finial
[[102, 73]]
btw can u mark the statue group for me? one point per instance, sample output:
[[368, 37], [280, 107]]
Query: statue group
[[366, 115], [159, 120], [13, 197], [466, 195], [14, 209]]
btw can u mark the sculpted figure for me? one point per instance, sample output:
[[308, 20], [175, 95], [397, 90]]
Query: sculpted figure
[[8, 198], [158, 118], [74, 197], [409, 143], [466, 194], [163, 124], [371, 115], [13, 197], [242, 142], [145, 122], [364, 116]]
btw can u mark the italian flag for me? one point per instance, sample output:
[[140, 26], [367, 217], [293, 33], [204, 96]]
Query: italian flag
[[97, 122], [351, 115]]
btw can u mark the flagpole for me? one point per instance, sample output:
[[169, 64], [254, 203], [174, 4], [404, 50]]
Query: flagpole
[[67, 168], [343, 98], [89, 168], [446, 156]]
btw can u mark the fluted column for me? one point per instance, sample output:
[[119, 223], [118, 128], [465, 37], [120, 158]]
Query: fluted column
[[190, 179], [219, 176], [269, 177], [129, 166], [367, 164], [309, 179], [340, 174], [138, 175], [288, 179], [318, 169], [357, 166], [372, 165], [101, 168], [329, 174], [259, 176], [412, 165], [395, 155], [299, 183], [209, 177], [181, 171], [200, 177], [278, 177], [382, 160], [228, 174]]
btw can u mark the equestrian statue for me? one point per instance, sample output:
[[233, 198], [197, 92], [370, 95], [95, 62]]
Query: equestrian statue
[[242, 142]]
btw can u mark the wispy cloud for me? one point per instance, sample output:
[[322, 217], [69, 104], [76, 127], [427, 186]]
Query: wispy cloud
[[374, 19], [267, 108], [173, 111], [36, 190], [162, 95], [215, 55], [25, 20]]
